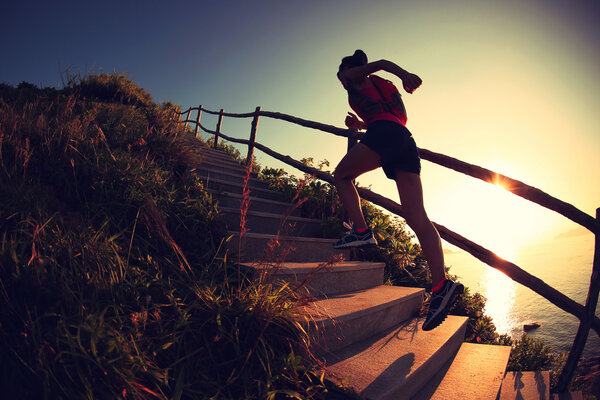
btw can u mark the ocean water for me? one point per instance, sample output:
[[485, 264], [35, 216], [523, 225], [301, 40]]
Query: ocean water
[[563, 263]]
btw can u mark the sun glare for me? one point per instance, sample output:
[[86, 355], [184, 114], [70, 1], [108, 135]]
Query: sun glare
[[491, 216]]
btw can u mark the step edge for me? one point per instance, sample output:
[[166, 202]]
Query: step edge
[[305, 270], [252, 198], [201, 174], [241, 186], [219, 180], [219, 159], [218, 168], [262, 214], [254, 235], [329, 320]]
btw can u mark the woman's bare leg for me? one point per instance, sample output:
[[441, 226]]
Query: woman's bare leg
[[410, 190], [357, 161]]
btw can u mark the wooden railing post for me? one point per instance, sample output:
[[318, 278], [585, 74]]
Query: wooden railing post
[[585, 323], [252, 136], [198, 120], [187, 116], [218, 131]]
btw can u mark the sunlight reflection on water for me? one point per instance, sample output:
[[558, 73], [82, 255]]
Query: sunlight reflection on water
[[564, 264], [500, 293]]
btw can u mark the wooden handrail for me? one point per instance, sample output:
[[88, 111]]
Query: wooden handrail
[[514, 186], [284, 117], [481, 253], [586, 314]]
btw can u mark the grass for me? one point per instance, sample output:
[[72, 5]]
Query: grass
[[114, 279]]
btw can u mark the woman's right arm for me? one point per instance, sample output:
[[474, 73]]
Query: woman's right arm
[[409, 81]]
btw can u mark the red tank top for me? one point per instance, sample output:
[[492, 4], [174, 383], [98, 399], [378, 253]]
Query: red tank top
[[387, 88]]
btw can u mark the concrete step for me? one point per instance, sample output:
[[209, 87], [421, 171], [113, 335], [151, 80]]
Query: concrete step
[[262, 222], [323, 279], [475, 372], [399, 362], [526, 385], [231, 165], [347, 318], [217, 155], [221, 160], [223, 185], [223, 175], [214, 152], [213, 167], [259, 247], [234, 200], [534, 385]]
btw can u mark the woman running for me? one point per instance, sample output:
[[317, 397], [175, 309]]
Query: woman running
[[387, 143]]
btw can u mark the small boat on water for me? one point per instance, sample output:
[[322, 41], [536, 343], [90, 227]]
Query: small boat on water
[[530, 326]]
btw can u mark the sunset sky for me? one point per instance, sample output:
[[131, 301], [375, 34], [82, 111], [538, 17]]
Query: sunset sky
[[509, 85]]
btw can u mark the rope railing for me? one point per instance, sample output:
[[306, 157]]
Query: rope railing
[[585, 314]]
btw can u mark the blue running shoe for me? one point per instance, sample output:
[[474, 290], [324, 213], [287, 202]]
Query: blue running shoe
[[355, 239], [441, 303]]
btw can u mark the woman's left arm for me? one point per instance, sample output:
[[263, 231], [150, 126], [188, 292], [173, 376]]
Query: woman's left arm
[[353, 122]]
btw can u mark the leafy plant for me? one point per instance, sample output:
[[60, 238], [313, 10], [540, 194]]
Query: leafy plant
[[529, 354]]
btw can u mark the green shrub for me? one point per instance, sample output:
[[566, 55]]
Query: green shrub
[[587, 378], [529, 354]]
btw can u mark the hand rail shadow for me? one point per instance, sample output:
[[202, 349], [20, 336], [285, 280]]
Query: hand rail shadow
[[585, 314]]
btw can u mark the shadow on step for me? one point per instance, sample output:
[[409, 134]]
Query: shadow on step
[[528, 385], [398, 370], [429, 390], [400, 332]]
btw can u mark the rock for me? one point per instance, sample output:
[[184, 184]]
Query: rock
[[530, 326]]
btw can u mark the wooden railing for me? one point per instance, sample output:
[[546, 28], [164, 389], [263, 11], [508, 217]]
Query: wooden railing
[[585, 313]]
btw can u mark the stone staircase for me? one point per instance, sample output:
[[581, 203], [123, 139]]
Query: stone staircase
[[368, 334]]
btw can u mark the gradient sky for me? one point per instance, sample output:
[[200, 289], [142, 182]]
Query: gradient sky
[[508, 85]]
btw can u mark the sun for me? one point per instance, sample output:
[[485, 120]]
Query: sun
[[506, 219], [491, 216]]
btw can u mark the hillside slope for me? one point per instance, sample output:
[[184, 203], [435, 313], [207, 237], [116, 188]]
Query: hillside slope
[[114, 282]]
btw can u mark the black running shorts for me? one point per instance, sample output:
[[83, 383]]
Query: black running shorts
[[395, 145]]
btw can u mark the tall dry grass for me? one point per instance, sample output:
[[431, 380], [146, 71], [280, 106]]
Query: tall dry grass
[[114, 280]]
